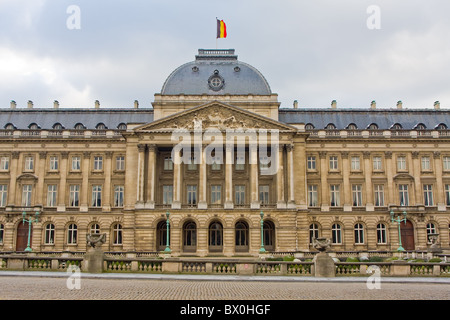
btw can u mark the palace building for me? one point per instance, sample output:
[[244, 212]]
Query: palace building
[[150, 179]]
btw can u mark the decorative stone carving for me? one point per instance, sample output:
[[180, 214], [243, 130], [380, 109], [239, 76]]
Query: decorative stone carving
[[95, 240], [321, 244]]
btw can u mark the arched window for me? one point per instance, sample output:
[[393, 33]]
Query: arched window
[[373, 126], [420, 126], [2, 233], [431, 228], [49, 234], [397, 126], [189, 236], [330, 126], [313, 232], [161, 236], [269, 235], [33, 126], [441, 126], [215, 237], [72, 233], [100, 126], [309, 126], [79, 126], [336, 233], [381, 233], [122, 126], [57, 126], [117, 234], [241, 236], [10, 126], [352, 126], [359, 233], [95, 229]]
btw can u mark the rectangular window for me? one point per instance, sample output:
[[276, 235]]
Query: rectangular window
[[401, 163], [216, 194], [334, 195], [264, 163], [333, 163], [168, 163], [240, 162], [4, 163], [447, 194], [426, 165], [311, 163], [52, 191], [192, 165], [97, 196], [167, 194], [118, 196], [215, 163], [192, 195], [377, 164], [3, 195], [54, 163], [403, 194], [29, 163], [26, 195], [357, 195], [446, 163], [120, 163], [312, 195], [428, 195], [264, 194], [356, 165], [74, 195], [379, 195], [76, 163], [239, 195], [98, 163]]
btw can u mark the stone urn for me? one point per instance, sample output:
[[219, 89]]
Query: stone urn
[[323, 264], [94, 257], [433, 239]]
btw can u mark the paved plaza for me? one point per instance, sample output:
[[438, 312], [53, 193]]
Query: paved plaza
[[55, 286]]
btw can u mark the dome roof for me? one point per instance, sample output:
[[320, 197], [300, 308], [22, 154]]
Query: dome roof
[[216, 72]]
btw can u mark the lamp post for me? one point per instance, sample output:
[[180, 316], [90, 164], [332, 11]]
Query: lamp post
[[399, 220], [167, 249], [262, 250], [30, 221]]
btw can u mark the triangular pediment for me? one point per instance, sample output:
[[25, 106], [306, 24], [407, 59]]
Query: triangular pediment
[[217, 115]]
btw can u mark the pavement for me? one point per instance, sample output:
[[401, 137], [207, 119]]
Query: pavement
[[265, 278]]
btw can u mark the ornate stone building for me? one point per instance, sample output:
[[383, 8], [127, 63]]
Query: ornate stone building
[[298, 173]]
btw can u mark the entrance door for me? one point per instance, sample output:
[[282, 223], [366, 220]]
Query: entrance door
[[407, 232], [22, 237]]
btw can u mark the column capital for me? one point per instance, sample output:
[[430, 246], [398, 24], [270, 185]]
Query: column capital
[[15, 154], [109, 154], [344, 154], [141, 147], [289, 147], [151, 147], [322, 154], [388, 154], [64, 155], [436, 155], [43, 155], [415, 154], [366, 155], [86, 154]]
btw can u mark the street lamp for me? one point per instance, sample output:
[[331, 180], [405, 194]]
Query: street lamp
[[399, 220], [30, 221], [262, 250], [167, 249]]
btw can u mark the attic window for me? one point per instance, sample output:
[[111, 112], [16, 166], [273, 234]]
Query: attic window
[[420, 126], [352, 126], [330, 126], [373, 126], [122, 126], [33, 126], [195, 68], [441, 126], [57, 126], [309, 126], [397, 126], [100, 126], [10, 126], [79, 126]]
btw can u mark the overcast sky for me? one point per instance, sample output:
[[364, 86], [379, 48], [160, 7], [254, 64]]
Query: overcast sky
[[310, 51]]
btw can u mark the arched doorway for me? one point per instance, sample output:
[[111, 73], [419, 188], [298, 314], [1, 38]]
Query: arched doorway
[[215, 237], [269, 235], [22, 236], [189, 237], [407, 233], [161, 236]]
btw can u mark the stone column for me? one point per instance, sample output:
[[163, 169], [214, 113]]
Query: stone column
[[417, 199], [325, 193], [254, 183], [151, 176], [440, 196], [389, 195], [62, 182], [141, 175], [202, 184], [176, 204], [41, 175], [346, 182], [228, 177], [106, 203], [281, 202], [13, 176], [368, 177], [84, 197], [297, 177]]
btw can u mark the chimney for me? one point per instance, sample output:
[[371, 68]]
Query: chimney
[[295, 104], [437, 105], [56, 104], [333, 104], [136, 104], [30, 104], [13, 104], [373, 104], [97, 104], [399, 104]]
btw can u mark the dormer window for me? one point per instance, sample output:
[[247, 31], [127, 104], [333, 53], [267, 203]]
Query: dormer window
[[309, 126], [57, 126], [10, 126], [397, 126], [352, 126], [330, 126], [100, 126], [79, 126], [441, 126], [420, 126], [122, 126], [33, 126], [373, 126]]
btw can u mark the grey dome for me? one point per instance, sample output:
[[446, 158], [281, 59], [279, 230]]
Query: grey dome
[[216, 72]]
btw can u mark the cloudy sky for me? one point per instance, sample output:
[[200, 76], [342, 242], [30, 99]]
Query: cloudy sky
[[310, 51]]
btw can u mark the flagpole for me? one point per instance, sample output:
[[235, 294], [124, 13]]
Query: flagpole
[[216, 33]]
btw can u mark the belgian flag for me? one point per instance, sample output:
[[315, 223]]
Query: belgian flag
[[221, 29]]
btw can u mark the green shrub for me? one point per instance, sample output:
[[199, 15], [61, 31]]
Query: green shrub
[[288, 258], [275, 259], [392, 259], [352, 259], [375, 259], [435, 260]]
